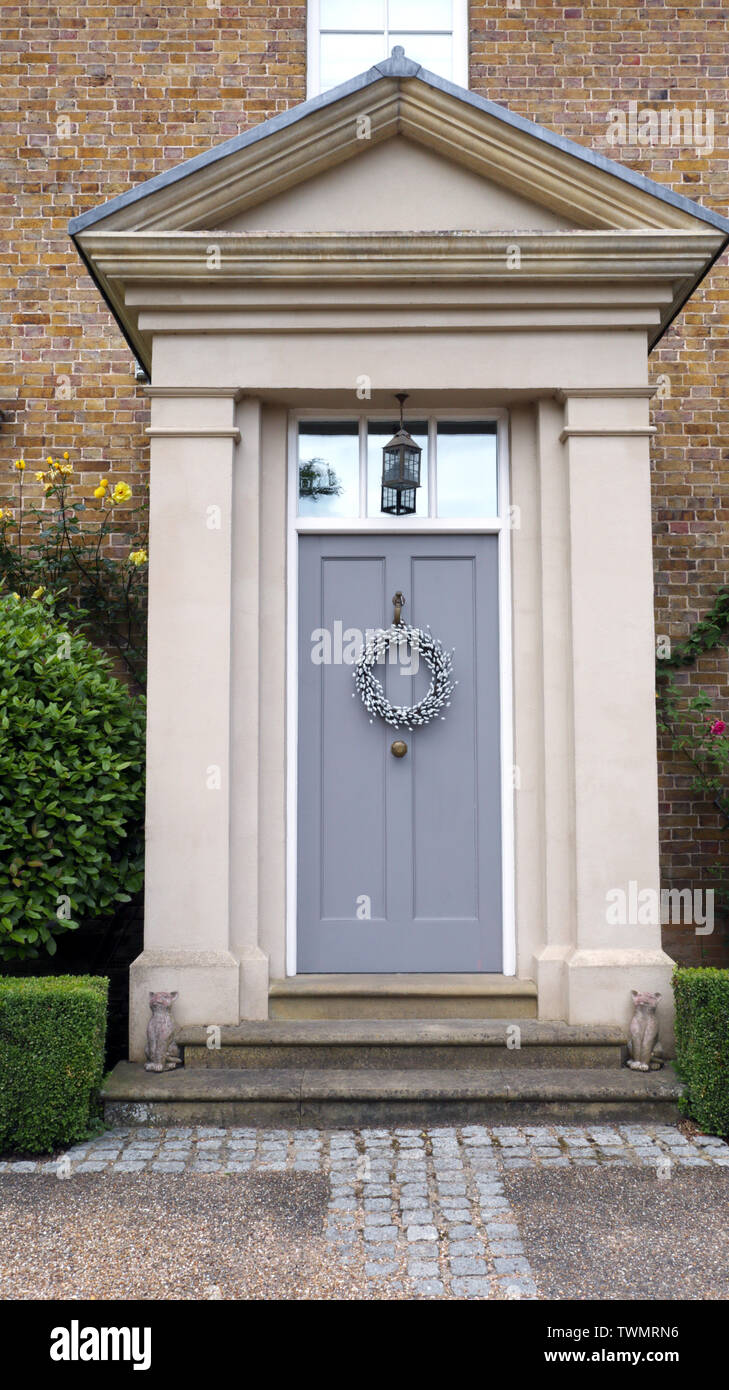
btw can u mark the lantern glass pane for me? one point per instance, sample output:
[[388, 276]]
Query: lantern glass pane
[[379, 433], [467, 472], [329, 468]]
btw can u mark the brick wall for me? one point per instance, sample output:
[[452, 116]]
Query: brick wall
[[147, 85], [144, 86]]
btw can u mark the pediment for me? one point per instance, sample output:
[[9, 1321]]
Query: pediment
[[397, 100], [396, 176], [397, 185]]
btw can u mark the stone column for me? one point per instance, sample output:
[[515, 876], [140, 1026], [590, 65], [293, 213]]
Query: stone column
[[606, 733], [555, 700], [247, 644], [194, 441]]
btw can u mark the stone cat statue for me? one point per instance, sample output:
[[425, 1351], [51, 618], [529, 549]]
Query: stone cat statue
[[162, 1052], [643, 1032]]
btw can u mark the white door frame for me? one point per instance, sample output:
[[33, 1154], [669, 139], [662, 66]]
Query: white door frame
[[499, 525]]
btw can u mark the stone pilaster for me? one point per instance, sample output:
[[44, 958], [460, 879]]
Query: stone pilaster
[[600, 735], [194, 439]]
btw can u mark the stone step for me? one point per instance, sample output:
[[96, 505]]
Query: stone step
[[402, 996], [334, 1098], [402, 1044]]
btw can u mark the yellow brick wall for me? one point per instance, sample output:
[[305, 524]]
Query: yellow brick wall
[[143, 86]]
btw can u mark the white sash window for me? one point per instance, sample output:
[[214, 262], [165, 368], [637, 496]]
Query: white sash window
[[346, 37]]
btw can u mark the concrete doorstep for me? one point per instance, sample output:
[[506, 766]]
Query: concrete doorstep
[[337, 1097]]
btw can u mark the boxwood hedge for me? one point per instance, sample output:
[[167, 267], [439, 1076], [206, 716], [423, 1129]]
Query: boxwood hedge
[[52, 1032], [702, 1045]]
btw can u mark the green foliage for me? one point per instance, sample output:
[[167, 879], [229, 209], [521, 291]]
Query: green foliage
[[51, 1060], [62, 549], [705, 636], [702, 1045], [700, 736], [71, 781], [318, 479], [704, 741]]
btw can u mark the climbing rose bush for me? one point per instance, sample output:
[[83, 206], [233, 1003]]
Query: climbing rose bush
[[71, 780], [62, 548]]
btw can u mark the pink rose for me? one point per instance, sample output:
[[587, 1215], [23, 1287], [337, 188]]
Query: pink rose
[[718, 726]]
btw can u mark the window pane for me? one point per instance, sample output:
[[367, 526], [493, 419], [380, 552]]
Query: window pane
[[352, 14], [434, 51], [379, 433], [467, 469], [329, 468], [420, 14], [345, 55]]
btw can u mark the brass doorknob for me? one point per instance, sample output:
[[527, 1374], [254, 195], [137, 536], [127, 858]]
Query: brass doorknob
[[399, 748]]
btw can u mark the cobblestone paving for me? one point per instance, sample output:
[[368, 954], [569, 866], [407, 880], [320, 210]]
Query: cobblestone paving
[[425, 1209]]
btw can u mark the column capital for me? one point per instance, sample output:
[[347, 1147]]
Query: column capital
[[235, 393], [606, 432], [195, 412], [607, 413], [597, 393]]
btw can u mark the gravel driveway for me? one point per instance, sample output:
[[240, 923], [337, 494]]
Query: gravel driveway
[[624, 1234], [145, 1236], [476, 1212]]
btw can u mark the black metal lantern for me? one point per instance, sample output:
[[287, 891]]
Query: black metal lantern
[[400, 470]]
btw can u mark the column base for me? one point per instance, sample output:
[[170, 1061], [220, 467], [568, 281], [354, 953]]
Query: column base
[[253, 983], [581, 986], [207, 982]]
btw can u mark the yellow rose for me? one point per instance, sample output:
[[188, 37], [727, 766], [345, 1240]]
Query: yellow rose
[[39, 477], [138, 557], [121, 492], [20, 465], [99, 492], [39, 592], [65, 456]]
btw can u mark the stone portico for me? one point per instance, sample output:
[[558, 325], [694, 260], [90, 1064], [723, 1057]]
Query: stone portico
[[396, 233]]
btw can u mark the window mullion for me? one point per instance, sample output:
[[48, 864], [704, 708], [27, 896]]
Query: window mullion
[[432, 465], [363, 464]]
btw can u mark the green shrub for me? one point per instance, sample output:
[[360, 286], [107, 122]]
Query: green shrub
[[702, 1045], [71, 781], [52, 1033]]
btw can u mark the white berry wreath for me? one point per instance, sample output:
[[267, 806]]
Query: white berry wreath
[[438, 661]]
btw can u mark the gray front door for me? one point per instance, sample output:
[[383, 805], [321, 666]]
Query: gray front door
[[399, 859]]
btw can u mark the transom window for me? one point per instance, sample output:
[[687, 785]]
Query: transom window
[[347, 37], [340, 467]]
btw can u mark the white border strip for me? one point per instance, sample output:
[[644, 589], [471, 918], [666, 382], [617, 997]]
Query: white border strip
[[506, 688]]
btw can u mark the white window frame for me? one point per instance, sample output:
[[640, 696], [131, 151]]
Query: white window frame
[[382, 522], [499, 525], [460, 46]]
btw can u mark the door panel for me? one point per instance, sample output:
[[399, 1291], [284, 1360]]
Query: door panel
[[414, 841]]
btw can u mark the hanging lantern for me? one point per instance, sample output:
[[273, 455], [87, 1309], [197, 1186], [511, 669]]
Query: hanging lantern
[[400, 470]]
